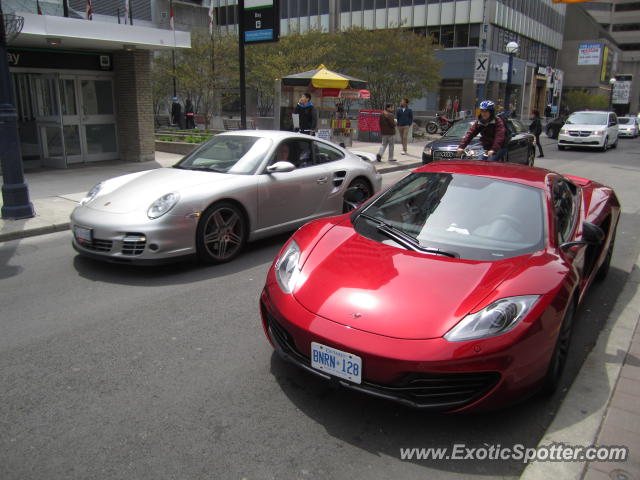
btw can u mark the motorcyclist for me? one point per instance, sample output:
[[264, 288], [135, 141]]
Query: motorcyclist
[[492, 130]]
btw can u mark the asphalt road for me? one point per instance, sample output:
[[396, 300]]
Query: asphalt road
[[111, 371]]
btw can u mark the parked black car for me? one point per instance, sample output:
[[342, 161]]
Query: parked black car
[[521, 146], [553, 127]]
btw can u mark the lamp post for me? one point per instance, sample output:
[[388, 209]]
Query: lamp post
[[15, 193], [612, 82], [512, 48]]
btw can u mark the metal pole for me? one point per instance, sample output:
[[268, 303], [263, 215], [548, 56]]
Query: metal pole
[[243, 92], [507, 93], [15, 192]]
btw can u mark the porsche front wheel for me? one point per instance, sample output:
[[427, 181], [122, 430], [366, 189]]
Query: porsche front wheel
[[221, 234]]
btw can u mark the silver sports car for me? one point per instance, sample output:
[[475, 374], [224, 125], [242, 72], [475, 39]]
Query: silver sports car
[[237, 187]]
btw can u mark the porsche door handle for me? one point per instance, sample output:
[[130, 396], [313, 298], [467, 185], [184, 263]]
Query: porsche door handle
[[322, 180]]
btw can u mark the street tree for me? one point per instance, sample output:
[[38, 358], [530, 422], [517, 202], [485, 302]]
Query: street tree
[[396, 62]]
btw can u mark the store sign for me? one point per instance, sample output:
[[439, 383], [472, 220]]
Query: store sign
[[261, 21], [621, 92], [481, 69], [589, 53], [58, 60]]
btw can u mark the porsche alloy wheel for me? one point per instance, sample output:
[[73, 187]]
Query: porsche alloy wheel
[[561, 351], [222, 232]]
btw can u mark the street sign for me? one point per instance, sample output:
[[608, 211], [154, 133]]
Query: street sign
[[481, 68], [261, 21]]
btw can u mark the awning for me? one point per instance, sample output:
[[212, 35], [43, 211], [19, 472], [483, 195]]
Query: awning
[[321, 77]]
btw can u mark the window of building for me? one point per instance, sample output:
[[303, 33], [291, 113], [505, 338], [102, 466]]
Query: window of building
[[367, 5], [629, 46], [434, 33], [627, 7], [356, 5], [447, 36], [345, 5], [626, 27], [284, 7], [381, 3], [462, 35], [303, 9], [474, 35], [393, 3], [324, 7], [406, 3]]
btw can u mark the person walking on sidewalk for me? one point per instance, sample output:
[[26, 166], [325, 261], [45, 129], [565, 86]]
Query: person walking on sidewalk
[[189, 115], [387, 132], [176, 112], [536, 129], [404, 116]]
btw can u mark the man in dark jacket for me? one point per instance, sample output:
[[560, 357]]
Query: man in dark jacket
[[176, 112], [404, 116], [492, 130], [189, 115], [536, 129], [387, 132], [307, 114]]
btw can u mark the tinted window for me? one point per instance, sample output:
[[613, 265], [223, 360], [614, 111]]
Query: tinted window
[[624, 120], [564, 204], [477, 217], [325, 153], [239, 154]]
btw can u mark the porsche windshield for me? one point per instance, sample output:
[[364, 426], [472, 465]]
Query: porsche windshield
[[239, 154], [468, 216]]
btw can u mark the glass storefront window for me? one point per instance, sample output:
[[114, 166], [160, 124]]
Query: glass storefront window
[[101, 138], [97, 98]]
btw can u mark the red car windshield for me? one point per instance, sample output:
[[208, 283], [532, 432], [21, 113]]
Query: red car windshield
[[477, 218]]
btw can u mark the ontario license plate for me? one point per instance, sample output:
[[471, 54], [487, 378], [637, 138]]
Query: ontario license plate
[[336, 362], [83, 235]]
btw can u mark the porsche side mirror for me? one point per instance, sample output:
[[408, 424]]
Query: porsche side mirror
[[591, 235], [281, 167]]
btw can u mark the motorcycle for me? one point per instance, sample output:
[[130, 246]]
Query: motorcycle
[[441, 123]]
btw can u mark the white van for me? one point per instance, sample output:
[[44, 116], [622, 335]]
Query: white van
[[596, 129]]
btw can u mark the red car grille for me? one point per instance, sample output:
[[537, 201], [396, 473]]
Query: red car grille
[[443, 391]]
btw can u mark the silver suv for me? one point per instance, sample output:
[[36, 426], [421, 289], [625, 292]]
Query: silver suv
[[595, 129]]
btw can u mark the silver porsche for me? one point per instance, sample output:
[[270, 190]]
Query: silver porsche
[[237, 187]]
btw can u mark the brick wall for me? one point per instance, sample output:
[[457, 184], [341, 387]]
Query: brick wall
[[134, 105]]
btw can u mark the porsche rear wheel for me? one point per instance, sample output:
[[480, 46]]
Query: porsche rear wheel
[[561, 351], [222, 232]]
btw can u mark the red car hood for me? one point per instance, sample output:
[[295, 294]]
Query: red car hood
[[385, 290]]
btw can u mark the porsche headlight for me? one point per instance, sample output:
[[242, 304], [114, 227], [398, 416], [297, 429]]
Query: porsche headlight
[[496, 319], [92, 193], [287, 267], [428, 150], [162, 205]]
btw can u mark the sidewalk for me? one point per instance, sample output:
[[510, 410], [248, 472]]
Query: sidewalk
[[602, 406], [56, 192]]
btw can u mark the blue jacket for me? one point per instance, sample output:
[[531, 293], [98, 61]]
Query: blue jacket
[[405, 119]]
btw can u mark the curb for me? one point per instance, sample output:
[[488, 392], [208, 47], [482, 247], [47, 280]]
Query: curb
[[397, 168], [584, 408], [34, 232]]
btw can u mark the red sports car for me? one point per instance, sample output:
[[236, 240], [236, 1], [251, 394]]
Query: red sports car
[[455, 289]]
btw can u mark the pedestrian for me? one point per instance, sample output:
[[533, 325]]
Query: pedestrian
[[189, 115], [176, 112], [387, 132], [492, 129], [547, 111], [404, 115], [307, 114], [536, 129]]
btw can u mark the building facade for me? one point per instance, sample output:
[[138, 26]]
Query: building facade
[[462, 28], [621, 19], [82, 88]]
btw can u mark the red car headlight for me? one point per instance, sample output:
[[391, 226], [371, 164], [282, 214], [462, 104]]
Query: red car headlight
[[287, 268], [495, 319]]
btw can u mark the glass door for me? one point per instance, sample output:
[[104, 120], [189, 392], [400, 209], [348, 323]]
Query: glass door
[[49, 119], [97, 120], [69, 113]]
